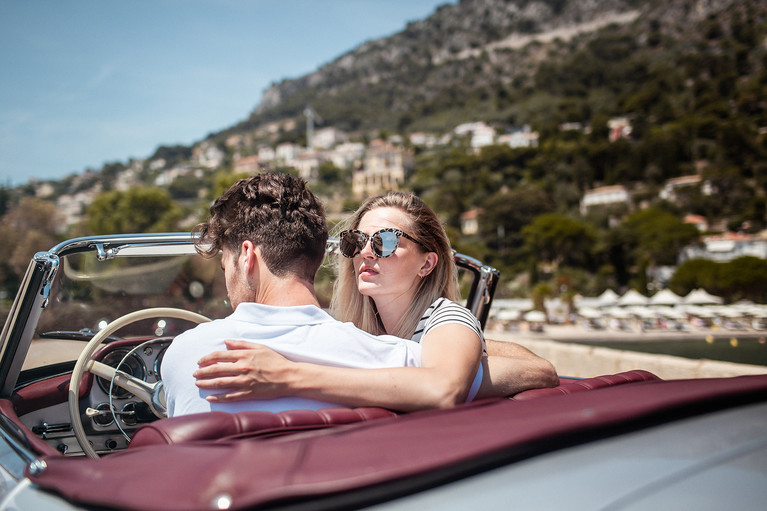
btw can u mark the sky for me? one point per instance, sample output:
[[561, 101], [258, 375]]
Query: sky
[[86, 82]]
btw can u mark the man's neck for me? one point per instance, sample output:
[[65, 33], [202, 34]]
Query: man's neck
[[289, 292]]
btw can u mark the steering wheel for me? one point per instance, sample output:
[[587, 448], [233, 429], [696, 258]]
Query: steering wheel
[[150, 393]]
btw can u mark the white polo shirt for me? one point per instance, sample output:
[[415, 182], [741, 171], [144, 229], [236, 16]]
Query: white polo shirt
[[302, 334]]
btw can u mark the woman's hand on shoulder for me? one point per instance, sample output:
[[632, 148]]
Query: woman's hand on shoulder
[[245, 371]]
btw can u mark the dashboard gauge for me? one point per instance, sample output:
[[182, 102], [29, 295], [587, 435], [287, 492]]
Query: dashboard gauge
[[105, 418], [128, 414], [158, 363], [132, 365]]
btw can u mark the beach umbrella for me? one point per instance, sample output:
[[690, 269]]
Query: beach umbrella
[[535, 317], [589, 313], [641, 311], [632, 297], [702, 297], [669, 312], [618, 313], [508, 315], [607, 298], [665, 297]]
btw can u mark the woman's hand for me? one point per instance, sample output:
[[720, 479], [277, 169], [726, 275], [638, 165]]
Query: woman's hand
[[245, 371]]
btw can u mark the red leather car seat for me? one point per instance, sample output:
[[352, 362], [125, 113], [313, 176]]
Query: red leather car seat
[[222, 425]]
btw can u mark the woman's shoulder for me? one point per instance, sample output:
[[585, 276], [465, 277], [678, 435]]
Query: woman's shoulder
[[443, 310], [444, 305]]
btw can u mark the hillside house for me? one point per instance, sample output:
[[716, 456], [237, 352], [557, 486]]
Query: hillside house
[[308, 165], [725, 247], [519, 138], [423, 139], [266, 154], [248, 164], [347, 155], [672, 186], [328, 137], [207, 155], [619, 127], [698, 221], [481, 134], [287, 152], [605, 196], [71, 208], [385, 167], [470, 221]]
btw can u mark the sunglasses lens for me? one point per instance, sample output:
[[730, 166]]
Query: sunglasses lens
[[350, 243], [385, 243]]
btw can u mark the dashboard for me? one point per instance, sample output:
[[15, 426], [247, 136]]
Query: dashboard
[[109, 413]]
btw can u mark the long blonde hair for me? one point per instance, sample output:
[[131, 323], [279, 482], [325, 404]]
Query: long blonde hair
[[348, 304]]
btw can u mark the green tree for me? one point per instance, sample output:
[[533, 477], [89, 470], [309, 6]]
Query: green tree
[[694, 274], [505, 215], [25, 229], [657, 236], [558, 239], [743, 278], [133, 210]]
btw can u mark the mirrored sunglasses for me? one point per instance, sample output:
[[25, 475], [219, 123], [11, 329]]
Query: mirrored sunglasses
[[383, 242]]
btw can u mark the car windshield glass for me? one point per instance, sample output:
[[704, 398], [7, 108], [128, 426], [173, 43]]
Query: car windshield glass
[[88, 293]]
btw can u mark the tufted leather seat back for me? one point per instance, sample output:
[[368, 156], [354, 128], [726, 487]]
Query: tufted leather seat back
[[225, 426], [222, 425], [597, 382]]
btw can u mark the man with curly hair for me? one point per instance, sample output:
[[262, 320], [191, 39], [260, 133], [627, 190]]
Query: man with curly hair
[[271, 233]]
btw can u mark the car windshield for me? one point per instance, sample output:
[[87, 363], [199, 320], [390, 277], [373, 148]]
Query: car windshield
[[88, 293]]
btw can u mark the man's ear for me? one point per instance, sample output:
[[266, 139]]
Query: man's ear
[[248, 255], [430, 262]]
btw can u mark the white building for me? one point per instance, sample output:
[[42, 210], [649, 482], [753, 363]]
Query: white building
[[520, 138], [725, 247], [266, 154], [207, 155], [481, 134], [605, 196], [328, 137], [470, 221], [423, 139], [308, 165], [71, 208], [287, 152], [346, 155], [669, 191]]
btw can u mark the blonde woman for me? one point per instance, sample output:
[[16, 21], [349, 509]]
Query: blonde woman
[[397, 276]]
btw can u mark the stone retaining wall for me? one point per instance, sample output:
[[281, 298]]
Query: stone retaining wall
[[579, 360]]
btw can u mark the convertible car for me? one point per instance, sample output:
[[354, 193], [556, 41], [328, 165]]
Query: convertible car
[[83, 425]]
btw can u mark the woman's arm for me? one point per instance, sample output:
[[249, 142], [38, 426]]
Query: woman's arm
[[450, 358]]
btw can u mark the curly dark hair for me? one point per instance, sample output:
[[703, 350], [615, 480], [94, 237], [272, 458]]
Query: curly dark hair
[[275, 211]]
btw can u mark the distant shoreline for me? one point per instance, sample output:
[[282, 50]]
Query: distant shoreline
[[578, 334]]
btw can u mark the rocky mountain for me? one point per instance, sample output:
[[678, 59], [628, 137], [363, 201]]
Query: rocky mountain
[[480, 59]]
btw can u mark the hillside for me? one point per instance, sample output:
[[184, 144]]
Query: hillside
[[482, 59]]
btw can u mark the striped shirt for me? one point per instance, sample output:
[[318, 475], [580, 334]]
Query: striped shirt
[[442, 312]]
